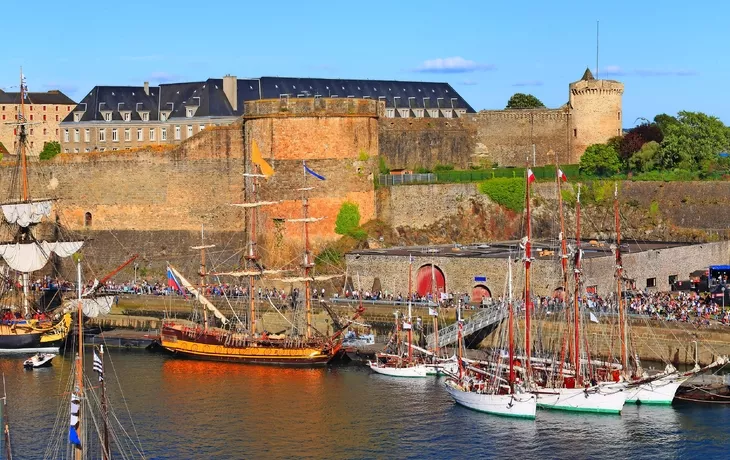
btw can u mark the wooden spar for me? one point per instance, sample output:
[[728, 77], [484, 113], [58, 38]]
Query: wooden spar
[[619, 288], [563, 262], [460, 339], [78, 450], [528, 256], [6, 425], [23, 159], [511, 328], [203, 272], [410, 322], [104, 410], [307, 264], [117, 270], [251, 255], [576, 293]]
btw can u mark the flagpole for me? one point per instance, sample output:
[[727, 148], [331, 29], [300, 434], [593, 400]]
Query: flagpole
[[307, 265], [104, 409], [78, 450]]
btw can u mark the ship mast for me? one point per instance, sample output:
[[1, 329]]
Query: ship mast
[[410, 323], [307, 263], [528, 261], [511, 327], [104, 411], [619, 288], [21, 142], [576, 293], [251, 255], [79, 393], [203, 272], [563, 259]]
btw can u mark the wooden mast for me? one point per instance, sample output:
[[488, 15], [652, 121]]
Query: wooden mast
[[460, 339], [576, 293], [307, 265], [528, 261], [410, 321], [251, 255], [511, 328], [203, 271], [78, 450], [106, 453], [21, 123], [563, 261], [619, 287]]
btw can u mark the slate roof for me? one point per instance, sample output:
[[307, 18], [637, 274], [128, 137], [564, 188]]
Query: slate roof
[[395, 93], [211, 101], [52, 97]]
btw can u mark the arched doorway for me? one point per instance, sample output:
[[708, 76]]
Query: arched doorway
[[480, 292], [425, 278]]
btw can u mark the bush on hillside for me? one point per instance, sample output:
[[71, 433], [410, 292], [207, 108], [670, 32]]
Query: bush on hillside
[[507, 192]]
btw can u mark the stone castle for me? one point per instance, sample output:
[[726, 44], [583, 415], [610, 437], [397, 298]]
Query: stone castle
[[153, 201]]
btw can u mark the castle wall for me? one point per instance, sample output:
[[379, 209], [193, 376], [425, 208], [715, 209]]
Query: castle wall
[[596, 113]]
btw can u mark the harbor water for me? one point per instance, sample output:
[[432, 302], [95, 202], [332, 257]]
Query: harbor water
[[184, 409]]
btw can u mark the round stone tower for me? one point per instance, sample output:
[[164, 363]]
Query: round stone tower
[[595, 112]]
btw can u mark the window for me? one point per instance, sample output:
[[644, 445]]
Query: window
[[87, 135], [651, 282], [114, 149], [201, 127], [3, 116], [56, 131], [152, 134], [68, 109], [86, 150], [619, 114], [163, 117], [31, 131], [76, 150], [77, 117], [87, 219], [102, 149], [102, 135], [66, 150], [56, 117], [177, 132], [145, 116], [31, 108], [65, 135], [575, 132], [673, 279], [140, 135], [108, 116], [57, 110], [44, 117], [31, 117], [189, 112], [127, 116], [190, 130], [45, 131], [115, 137], [163, 134], [127, 134], [44, 108], [77, 135]]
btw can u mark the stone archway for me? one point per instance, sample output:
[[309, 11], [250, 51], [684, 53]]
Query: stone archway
[[425, 278], [480, 292]]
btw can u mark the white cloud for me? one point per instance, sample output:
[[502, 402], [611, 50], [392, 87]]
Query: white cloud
[[454, 64], [528, 83]]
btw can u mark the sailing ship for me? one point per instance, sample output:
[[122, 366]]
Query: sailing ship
[[484, 386], [26, 253], [95, 430], [243, 342]]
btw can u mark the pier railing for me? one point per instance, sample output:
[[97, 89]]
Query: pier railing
[[485, 317]]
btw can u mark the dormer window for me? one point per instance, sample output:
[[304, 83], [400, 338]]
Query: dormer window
[[145, 116], [164, 115], [127, 116], [77, 116], [189, 112], [107, 115]]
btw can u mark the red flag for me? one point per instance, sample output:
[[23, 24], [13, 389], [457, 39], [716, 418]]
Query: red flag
[[530, 176], [562, 176]]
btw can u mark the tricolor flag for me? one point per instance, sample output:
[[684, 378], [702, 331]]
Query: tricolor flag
[[530, 176], [174, 283], [99, 366], [309, 171], [562, 176], [73, 436]]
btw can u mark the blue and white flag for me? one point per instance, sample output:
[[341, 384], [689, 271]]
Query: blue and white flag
[[73, 436], [99, 366], [307, 170]]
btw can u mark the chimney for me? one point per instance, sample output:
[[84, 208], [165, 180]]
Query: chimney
[[230, 89], [147, 88]]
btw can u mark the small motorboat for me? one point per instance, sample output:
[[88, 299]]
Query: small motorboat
[[39, 360]]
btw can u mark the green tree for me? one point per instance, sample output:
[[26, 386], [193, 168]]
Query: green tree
[[693, 139], [348, 219], [663, 121], [524, 101], [599, 160], [50, 150], [647, 159]]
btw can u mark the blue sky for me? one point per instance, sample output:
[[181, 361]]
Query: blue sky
[[670, 57]]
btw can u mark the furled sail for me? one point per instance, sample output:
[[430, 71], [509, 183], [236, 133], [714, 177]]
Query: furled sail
[[302, 279], [95, 306], [201, 298], [249, 273], [30, 257], [306, 219], [255, 205], [25, 214]]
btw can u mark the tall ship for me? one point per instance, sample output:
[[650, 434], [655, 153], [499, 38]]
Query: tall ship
[[25, 324], [242, 340]]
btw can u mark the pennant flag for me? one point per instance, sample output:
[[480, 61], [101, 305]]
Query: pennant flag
[[593, 317], [562, 176], [257, 159], [174, 283], [530, 176], [406, 325], [307, 170], [73, 436], [432, 312], [99, 366]]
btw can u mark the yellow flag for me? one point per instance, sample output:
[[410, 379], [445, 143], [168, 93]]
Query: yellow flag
[[257, 159]]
